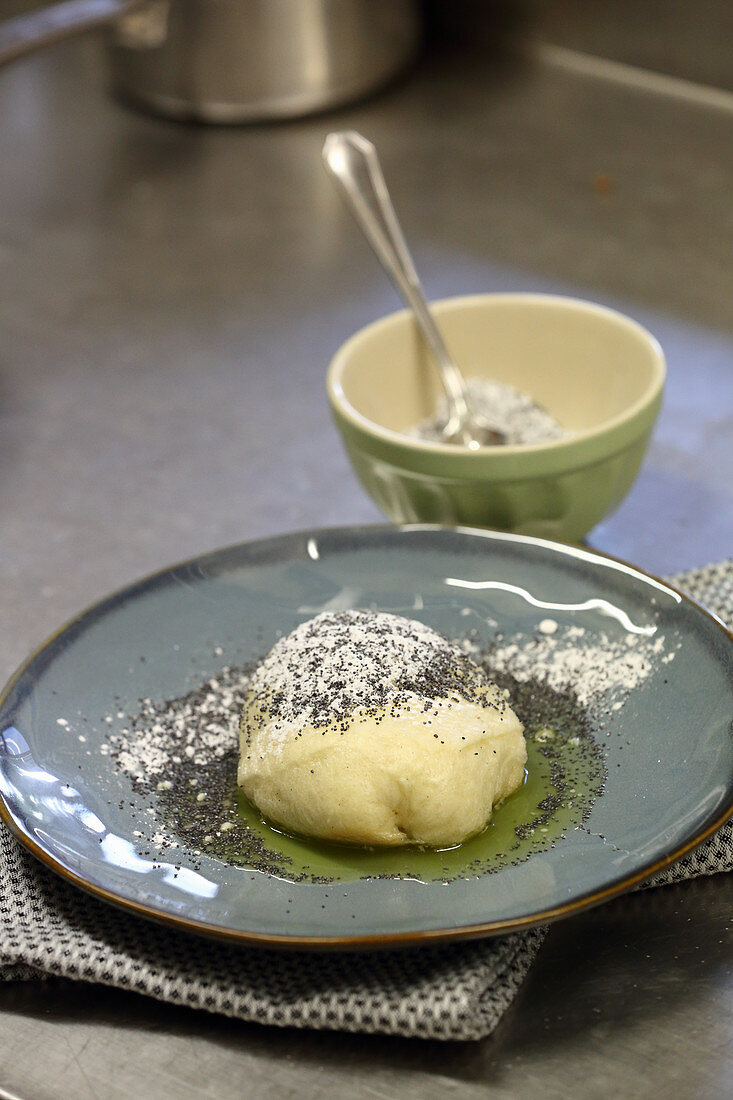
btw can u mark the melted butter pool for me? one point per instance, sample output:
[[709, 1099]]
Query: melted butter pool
[[561, 782]]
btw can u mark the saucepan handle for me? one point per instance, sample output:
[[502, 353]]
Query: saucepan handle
[[25, 33]]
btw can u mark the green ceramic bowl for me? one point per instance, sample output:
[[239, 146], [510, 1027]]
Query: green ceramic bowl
[[599, 373]]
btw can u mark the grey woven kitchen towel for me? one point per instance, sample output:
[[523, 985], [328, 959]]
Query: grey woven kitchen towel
[[459, 991]]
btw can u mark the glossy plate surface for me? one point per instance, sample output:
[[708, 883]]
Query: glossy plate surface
[[668, 749]]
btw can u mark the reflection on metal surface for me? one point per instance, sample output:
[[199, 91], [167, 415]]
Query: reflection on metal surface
[[144, 29], [593, 604]]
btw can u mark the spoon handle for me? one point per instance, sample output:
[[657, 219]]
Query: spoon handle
[[353, 162]]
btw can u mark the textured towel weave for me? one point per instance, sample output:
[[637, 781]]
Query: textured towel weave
[[457, 991]]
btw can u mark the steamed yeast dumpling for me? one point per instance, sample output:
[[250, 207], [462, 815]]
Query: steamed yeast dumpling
[[369, 728]]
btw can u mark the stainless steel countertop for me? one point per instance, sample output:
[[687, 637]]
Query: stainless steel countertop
[[171, 296]]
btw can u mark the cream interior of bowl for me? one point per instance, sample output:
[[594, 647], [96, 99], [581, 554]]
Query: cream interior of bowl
[[586, 364]]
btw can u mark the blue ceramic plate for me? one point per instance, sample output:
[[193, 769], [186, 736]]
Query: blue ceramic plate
[[661, 734]]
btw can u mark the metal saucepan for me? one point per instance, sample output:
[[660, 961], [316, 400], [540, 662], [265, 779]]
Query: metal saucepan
[[234, 60]]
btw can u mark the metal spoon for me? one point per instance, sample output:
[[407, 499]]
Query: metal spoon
[[353, 162]]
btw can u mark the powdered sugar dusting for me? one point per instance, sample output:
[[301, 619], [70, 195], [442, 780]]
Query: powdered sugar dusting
[[342, 663], [200, 727], [506, 408], [593, 665]]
